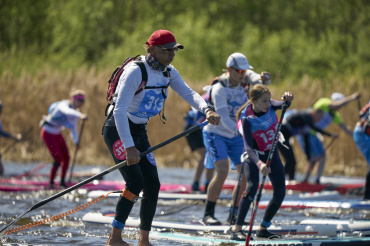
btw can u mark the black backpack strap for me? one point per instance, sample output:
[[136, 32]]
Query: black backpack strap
[[144, 75], [144, 79], [167, 73]]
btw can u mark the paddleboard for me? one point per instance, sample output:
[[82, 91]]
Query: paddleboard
[[354, 204], [35, 185], [307, 227], [323, 195], [208, 240], [186, 188]]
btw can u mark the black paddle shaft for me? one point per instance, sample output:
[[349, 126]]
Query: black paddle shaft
[[99, 175], [77, 147], [24, 135]]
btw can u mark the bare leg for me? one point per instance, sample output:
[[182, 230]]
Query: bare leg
[[311, 164], [115, 238], [320, 168], [215, 187], [209, 174], [144, 239], [200, 167]]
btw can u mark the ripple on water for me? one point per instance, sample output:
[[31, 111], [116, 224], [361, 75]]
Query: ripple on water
[[72, 231]]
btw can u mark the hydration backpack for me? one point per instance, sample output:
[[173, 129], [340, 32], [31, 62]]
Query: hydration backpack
[[113, 81], [364, 110], [219, 79]]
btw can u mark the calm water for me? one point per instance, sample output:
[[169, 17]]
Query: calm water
[[72, 231]]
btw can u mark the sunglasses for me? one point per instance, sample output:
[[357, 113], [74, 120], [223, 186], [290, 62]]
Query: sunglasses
[[174, 50], [81, 100], [240, 71]]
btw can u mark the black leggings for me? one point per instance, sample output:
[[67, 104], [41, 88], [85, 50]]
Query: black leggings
[[277, 179], [290, 161], [367, 186], [138, 177]]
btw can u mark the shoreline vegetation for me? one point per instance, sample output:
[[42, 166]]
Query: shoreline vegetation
[[27, 98], [311, 47]]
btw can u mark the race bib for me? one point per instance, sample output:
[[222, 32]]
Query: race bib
[[151, 158], [119, 150]]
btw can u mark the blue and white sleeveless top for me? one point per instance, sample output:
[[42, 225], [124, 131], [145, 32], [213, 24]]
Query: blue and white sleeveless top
[[141, 107], [263, 128], [231, 97]]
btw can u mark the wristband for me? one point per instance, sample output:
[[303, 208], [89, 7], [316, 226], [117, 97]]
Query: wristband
[[205, 110], [259, 163]]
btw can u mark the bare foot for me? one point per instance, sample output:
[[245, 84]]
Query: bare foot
[[144, 243], [112, 242], [144, 239], [115, 238]]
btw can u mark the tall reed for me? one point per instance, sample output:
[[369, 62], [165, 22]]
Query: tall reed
[[26, 98]]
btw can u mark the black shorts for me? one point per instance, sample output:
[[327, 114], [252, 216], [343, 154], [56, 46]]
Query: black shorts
[[195, 139]]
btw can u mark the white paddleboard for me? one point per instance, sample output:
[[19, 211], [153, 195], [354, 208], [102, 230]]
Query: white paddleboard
[[307, 227]]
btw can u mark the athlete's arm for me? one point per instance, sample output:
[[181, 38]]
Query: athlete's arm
[[128, 83], [5, 134], [254, 78], [345, 129], [184, 91], [276, 104], [64, 108], [307, 118], [335, 105]]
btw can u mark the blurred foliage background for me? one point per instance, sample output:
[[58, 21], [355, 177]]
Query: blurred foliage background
[[47, 47]]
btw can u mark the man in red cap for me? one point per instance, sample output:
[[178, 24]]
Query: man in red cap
[[125, 129]]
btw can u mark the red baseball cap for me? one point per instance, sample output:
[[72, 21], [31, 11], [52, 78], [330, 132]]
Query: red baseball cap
[[163, 38]]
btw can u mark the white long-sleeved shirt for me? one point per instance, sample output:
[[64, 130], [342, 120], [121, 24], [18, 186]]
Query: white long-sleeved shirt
[[227, 101], [139, 108], [63, 115], [252, 78]]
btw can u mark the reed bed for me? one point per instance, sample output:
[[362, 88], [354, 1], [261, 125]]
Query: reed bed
[[26, 98]]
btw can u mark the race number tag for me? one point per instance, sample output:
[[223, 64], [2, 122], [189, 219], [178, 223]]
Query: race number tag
[[119, 150], [151, 158]]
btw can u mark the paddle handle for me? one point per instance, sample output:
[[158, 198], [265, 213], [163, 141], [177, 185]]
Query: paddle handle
[[359, 107], [24, 134], [269, 158], [77, 147], [237, 193]]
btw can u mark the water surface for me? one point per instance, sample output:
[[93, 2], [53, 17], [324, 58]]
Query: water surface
[[72, 231]]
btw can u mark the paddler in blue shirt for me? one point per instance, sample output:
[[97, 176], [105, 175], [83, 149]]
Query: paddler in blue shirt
[[6, 135], [361, 136]]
